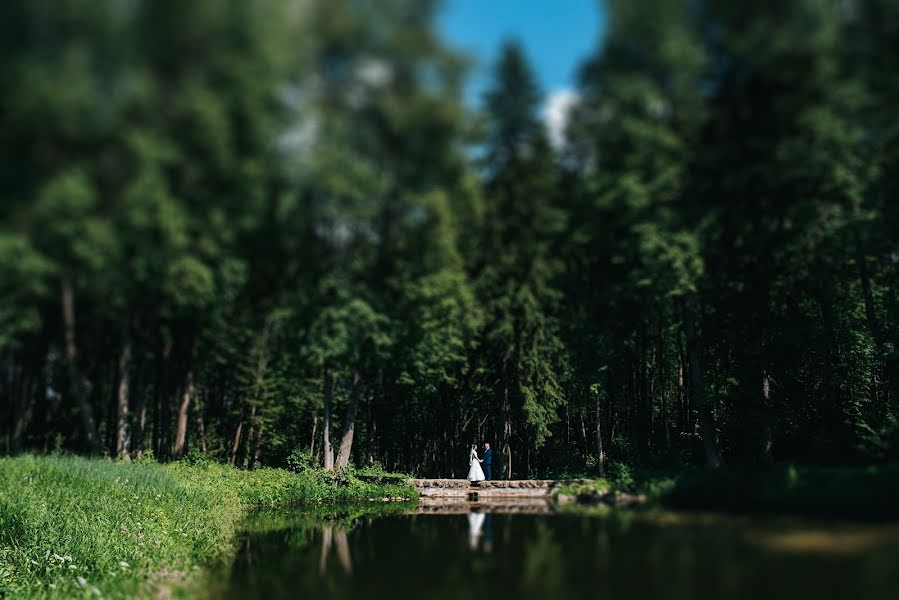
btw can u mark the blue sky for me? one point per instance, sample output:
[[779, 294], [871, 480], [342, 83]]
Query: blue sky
[[557, 35]]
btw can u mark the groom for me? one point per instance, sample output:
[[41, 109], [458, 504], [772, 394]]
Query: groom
[[488, 461]]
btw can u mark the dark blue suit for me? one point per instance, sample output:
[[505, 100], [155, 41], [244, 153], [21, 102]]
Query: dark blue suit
[[488, 464]]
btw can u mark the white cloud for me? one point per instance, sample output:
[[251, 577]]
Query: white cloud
[[374, 73], [556, 111]]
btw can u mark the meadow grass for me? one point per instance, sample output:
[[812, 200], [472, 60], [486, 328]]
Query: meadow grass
[[76, 527]]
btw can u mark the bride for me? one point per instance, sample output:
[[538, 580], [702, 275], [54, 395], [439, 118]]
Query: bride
[[475, 473]]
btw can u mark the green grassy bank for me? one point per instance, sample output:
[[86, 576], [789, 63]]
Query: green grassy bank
[[857, 493], [853, 493], [75, 527]]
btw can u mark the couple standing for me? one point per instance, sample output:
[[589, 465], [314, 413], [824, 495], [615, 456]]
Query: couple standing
[[475, 473]]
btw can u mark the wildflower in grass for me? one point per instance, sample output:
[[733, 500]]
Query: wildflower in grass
[[123, 564]]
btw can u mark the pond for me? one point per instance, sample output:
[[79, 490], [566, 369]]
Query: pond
[[539, 551]]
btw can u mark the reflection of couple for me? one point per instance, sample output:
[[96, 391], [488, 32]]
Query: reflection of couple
[[480, 524], [475, 473]]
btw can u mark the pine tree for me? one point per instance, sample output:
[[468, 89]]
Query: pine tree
[[523, 352]]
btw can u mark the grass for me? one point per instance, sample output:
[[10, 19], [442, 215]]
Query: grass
[[74, 527], [854, 493], [857, 493]]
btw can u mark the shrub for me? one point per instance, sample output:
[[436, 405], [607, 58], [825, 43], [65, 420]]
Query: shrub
[[299, 461]]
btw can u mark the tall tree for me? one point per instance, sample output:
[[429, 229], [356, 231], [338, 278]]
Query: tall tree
[[516, 278]]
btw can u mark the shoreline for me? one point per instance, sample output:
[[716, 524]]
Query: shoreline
[[71, 526]]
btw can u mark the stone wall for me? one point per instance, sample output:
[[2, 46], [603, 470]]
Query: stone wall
[[461, 488]]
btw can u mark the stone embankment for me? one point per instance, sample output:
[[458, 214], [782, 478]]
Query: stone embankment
[[506, 491]]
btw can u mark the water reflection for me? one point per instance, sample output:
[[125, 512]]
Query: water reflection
[[513, 553], [475, 525], [331, 533], [480, 528]]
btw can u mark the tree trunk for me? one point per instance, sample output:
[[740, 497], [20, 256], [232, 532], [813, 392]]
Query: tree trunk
[[349, 427], [612, 421], [77, 386], [8, 394], [505, 464], [255, 444], [111, 414], [829, 405], [865, 277], [766, 456], [583, 445], [327, 448], [140, 411], [235, 443], [245, 450], [312, 440], [663, 383], [706, 418], [600, 456], [162, 399], [155, 440], [187, 392], [22, 410], [642, 412], [201, 430], [122, 441], [683, 415]]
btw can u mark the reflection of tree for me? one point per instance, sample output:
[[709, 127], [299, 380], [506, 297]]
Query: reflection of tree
[[544, 566], [332, 534]]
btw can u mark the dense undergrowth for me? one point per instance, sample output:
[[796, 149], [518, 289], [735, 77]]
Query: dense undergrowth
[[855, 493], [75, 527]]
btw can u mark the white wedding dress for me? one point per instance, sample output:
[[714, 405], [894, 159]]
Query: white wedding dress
[[475, 473], [475, 528]]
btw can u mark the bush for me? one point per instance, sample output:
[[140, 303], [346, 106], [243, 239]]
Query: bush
[[299, 461], [881, 443], [620, 474], [197, 458]]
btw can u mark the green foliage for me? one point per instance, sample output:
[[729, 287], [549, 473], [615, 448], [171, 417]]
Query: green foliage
[[299, 461], [24, 283], [858, 493], [350, 333], [881, 443], [257, 206]]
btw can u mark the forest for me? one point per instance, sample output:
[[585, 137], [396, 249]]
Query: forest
[[272, 232]]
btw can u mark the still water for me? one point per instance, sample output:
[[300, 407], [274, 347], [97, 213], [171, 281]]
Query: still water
[[539, 552]]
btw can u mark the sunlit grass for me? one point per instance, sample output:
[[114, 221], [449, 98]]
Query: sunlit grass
[[74, 527]]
